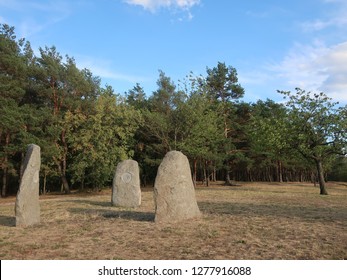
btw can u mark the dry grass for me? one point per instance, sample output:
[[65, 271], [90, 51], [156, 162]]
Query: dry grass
[[250, 221]]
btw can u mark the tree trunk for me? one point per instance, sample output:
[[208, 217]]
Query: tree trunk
[[227, 178], [5, 168], [206, 175], [301, 176], [214, 176], [82, 184], [63, 164], [280, 174], [44, 182], [144, 180], [321, 179], [268, 174], [4, 182], [194, 171], [21, 170], [65, 184]]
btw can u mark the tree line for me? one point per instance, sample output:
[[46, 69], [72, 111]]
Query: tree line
[[85, 129]]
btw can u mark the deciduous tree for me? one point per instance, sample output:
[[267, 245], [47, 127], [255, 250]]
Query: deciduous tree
[[317, 128]]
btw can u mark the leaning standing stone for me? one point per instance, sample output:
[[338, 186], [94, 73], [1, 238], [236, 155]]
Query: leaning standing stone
[[126, 190], [27, 201], [174, 192]]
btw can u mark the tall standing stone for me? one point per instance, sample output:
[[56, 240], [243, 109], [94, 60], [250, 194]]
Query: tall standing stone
[[174, 192], [126, 190], [27, 207]]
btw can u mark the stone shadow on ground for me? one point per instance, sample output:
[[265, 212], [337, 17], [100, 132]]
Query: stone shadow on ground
[[7, 221], [307, 213], [109, 214], [241, 188], [130, 215], [91, 202]]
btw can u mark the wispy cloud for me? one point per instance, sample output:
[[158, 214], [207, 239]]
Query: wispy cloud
[[43, 14], [173, 5], [335, 62], [257, 77], [320, 24], [104, 69], [259, 82], [315, 67], [336, 18]]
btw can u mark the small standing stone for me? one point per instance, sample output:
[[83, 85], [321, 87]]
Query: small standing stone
[[174, 192], [27, 207], [126, 190]]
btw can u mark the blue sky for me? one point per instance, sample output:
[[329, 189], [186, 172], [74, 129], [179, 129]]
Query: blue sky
[[272, 44]]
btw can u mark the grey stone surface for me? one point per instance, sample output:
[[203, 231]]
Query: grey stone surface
[[174, 193], [27, 207], [126, 190]]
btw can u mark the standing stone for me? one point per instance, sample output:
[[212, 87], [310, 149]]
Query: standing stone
[[174, 192], [27, 202], [126, 191]]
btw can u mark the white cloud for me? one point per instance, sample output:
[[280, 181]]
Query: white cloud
[[336, 18], [335, 61], [43, 14], [316, 68], [258, 83], [257, 77], [153, 5], [318, 24], [103, 69]]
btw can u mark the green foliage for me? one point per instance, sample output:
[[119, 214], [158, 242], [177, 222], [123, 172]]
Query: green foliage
[[268, 130], [222, 83], [339, 169], [136, 97], [162, 118], [84, 130], [14, 129], [317, 129], [100, 140], [202, 136]]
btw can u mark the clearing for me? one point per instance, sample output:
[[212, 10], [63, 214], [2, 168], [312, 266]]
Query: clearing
[[249, 221]]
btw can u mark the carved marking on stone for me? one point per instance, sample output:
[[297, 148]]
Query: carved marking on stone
[[126, 177], [126, 191]]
